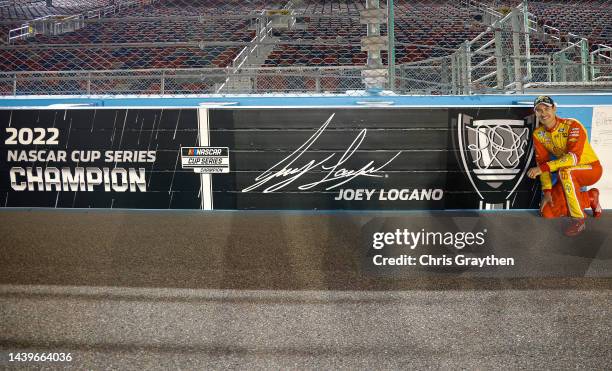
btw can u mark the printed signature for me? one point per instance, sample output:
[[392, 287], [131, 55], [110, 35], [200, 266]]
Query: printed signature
[[288, 171]]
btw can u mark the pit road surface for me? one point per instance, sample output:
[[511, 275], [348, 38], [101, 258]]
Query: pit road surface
[[158, 290]]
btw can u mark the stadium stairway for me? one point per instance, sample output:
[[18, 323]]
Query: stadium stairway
[[240, 79]]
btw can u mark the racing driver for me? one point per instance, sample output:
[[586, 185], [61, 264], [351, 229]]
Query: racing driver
[[574, 161]]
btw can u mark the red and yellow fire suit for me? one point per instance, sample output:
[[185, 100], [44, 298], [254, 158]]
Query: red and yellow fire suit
[[576, 163]]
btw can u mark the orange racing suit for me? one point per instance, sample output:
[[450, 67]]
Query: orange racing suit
[[576, 164]]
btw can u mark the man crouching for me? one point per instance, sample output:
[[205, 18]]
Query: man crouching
[[575, 162]]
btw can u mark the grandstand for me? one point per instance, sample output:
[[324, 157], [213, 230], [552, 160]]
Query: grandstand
[[214, 46]]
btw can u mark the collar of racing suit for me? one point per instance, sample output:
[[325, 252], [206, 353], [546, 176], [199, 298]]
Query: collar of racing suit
[[557, 122]]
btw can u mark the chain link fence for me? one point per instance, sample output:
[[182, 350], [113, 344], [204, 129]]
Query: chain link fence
[[430, 77], [601, 63], [518, 50], [500, 58], [290, 46], [185, 81]]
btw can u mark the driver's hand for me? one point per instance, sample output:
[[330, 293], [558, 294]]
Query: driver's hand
[[534, 172], [546, 199]]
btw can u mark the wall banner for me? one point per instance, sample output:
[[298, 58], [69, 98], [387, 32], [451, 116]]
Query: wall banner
[[99, 158], [376, 158], [272, 158]]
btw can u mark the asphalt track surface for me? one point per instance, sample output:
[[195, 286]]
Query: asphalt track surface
[[168, 289]]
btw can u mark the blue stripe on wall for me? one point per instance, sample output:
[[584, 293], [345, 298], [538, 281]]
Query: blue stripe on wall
[[477, 100]]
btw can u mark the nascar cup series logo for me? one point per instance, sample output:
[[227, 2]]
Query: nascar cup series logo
[[495, 155]]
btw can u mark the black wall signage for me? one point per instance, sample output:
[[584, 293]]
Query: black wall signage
[[376, 158], [103, 158], [310, 158]]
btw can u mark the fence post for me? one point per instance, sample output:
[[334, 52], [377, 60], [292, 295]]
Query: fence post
[[14, 84], [89, 83], [584, 59], [228, 73], [461, 64], [468, 68], [555, 67], [516, 44], [391, 51], [499, 59], [162, 87], [527, 41], [592, 65], [461, 72], [453, 73], [258, 37], [549, 69]]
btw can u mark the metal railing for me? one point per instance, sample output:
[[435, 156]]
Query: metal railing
[[500, 60], [183, 81], [58, 24], [434, 76], [22, 32], [47, 25], [263, 34], [601, 63]]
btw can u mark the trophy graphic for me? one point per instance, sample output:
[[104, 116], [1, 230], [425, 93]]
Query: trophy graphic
[[495, 154]]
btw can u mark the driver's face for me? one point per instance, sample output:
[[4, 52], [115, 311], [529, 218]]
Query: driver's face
[[546, 114]]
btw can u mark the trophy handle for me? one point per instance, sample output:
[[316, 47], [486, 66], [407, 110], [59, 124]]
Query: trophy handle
[[462, 120]]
